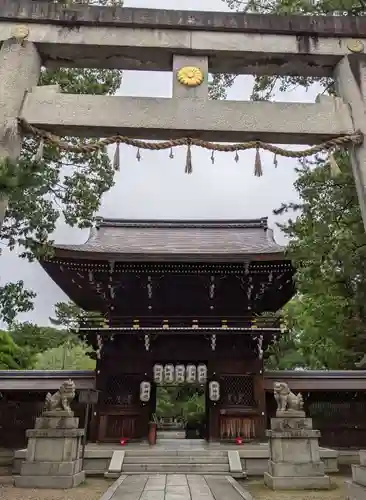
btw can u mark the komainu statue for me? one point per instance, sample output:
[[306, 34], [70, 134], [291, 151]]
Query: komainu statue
[[287, 400], [60, 401]]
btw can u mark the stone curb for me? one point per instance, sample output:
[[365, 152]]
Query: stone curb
[[113, 488]]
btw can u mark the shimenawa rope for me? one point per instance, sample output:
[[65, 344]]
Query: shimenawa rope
[[331, 145]]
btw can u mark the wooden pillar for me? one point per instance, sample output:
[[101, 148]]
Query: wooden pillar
[[93, 425], [213, 413], [20, 67], [95, 418], [150, 407], [260, 397]]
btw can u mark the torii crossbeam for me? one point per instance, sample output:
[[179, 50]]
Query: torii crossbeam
[[41, 33]]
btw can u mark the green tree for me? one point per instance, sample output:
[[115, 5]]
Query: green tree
[[184, 400], [48, 348], [328, 247], [13, 357], [166, 402], [193, 409], [70, 316], [266, 86], [70, 352], [62, 184], [14, 299], [36, 338], [285, 353], [325, 319], [66, 357]]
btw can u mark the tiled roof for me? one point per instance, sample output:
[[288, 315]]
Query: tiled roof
[[170, 237]]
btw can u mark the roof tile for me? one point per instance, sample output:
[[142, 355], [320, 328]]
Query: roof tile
[[237, 237]]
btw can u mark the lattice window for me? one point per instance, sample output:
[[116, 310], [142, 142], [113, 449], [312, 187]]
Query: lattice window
[[237, 390], [122, 390]]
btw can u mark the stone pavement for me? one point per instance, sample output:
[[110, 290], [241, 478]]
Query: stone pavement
[[175, 487]]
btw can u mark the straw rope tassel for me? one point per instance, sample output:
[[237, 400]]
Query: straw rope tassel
[[116, 159], [333, 166], [258, 172], [188, 169], [39, 153], [11, 129]]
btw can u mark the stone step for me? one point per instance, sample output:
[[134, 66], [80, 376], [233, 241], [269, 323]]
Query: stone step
[[355, 491], [163, 459], [177, 468], [191, 473], [6, 459], [5, 470], [163, 452], [171, 435]]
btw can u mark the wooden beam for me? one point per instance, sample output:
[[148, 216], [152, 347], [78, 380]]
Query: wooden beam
[[47, 380], [165, 118], [312, 380], [181, 331]]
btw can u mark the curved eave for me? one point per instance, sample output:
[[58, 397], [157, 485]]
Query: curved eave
[[67, 253], [67, 286]]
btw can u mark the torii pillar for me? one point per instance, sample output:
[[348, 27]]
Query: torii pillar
[[350, 78], [20, 67]]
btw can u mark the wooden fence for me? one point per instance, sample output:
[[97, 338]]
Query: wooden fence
[[335, 400]]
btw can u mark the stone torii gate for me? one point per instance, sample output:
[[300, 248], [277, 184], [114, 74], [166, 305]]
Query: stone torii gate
[[78, 36]]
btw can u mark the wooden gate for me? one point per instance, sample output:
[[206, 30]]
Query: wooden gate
[[239, 413], [121, 413]]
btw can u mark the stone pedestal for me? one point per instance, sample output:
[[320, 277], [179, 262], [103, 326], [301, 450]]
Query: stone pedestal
[[294, 454], [356, 489], [53, 457]]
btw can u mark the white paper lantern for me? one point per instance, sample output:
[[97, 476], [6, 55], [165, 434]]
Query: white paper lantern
[[202, 374], [169, 374], [214, 390], [180, 374], [145, 391], [191, 374], [158, 371]]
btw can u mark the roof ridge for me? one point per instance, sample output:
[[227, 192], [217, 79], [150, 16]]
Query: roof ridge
[[260, 223]]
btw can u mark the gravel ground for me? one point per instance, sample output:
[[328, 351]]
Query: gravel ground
[[92, 489], [260, 492]]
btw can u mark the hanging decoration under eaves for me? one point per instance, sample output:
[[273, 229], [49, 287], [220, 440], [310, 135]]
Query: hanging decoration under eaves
[[329, 146]]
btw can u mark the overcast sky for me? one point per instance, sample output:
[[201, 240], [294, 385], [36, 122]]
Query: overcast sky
[[157, 187]]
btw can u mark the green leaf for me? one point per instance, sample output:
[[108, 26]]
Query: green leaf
[[326, 320], [63, 184], [66, 357], [13, 357], [14, 299]]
